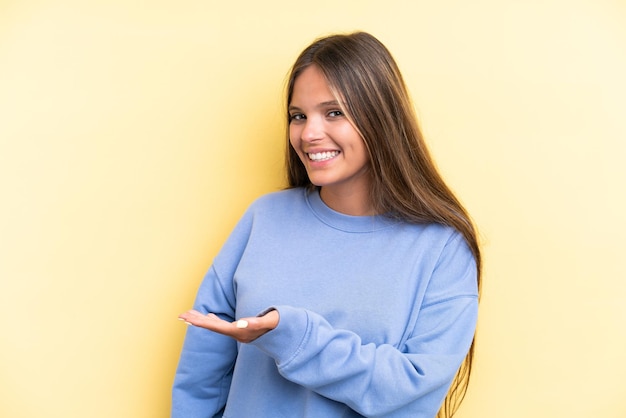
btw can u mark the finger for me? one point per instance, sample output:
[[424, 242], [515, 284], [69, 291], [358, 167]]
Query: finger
[[242, 330], [213, 323], [196, 318], [189, 314]]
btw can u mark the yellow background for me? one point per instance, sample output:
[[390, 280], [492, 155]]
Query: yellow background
[[134, 134]]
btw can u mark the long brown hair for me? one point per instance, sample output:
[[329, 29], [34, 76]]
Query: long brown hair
[[365, 78]]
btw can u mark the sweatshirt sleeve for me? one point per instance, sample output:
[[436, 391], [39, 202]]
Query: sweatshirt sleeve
[[205, 367], [380, 380]]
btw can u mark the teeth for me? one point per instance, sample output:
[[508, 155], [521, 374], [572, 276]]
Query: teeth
[[321, 156]]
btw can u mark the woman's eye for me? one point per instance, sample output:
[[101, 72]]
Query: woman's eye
[[296, 116], [335, 113]]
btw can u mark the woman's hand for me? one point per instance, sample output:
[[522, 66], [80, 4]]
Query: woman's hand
[[244, 330]]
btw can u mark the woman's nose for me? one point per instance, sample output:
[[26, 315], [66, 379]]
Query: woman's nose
[[313, 130]]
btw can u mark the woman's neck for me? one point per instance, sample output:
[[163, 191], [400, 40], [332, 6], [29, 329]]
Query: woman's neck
[[349, 202]]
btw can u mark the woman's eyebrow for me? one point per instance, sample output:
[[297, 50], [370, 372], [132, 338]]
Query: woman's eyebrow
[[322, 104]]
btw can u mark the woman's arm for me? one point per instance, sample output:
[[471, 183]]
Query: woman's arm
[[374, 380], [205, 367]]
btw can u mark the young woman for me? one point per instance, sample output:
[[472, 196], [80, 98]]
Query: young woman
[[355, 291]]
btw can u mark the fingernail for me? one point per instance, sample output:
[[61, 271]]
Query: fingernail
[[242, 323]]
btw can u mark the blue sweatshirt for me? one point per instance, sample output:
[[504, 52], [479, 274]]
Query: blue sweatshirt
[[376, 316]]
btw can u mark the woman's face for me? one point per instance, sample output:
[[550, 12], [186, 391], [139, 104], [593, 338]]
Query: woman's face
[[331, 149]]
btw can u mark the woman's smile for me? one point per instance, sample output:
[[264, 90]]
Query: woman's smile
[[323, 156]]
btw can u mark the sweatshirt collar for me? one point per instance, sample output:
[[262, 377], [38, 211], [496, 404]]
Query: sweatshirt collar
[[343, 222]]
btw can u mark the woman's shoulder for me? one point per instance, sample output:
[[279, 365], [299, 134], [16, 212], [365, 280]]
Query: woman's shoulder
[[279, 201], [280, 196]]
